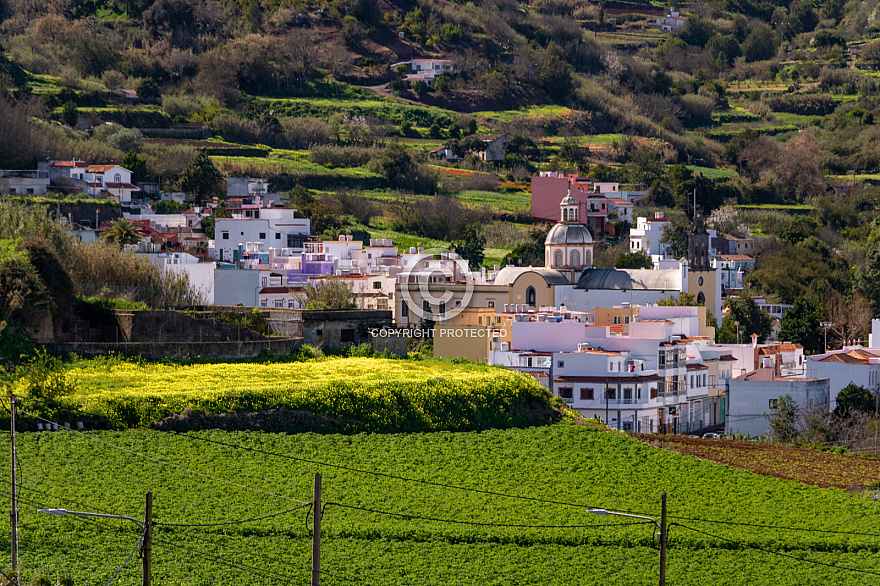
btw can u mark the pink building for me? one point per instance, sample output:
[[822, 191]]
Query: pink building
[[548, 191]]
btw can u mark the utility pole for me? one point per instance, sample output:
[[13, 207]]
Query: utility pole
[[147, 547], [316, 532], [13, 514], [663, 538]]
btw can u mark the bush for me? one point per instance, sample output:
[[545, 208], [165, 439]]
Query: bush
[[304, 132], [807, 104], [342, 156]]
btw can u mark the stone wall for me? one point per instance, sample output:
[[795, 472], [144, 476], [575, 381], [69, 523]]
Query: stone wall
[[158, 351]]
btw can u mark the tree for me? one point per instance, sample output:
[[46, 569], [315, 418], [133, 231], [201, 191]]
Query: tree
[[70, 113], [751, 321], [148, 89], [633, 260], [854, 399], [554, 72], [168, 206], [760, 45], [724, 49], [328, 294], [696, 31], [471, 246], [531, 253], [683, 299], [783, 420], [136, 164], [121, 232], [675, 236], [208, 225], [850, 317], [203, 179], [92, 57], [644, 166], [801, 324], [868, 276]]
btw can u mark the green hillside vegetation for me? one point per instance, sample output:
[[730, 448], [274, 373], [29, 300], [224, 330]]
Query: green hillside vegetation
[[750, 103], [499, 526]]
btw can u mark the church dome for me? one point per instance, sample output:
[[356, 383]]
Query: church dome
[[569, 234]]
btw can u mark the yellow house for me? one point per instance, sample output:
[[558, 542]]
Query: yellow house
[[471, 333]]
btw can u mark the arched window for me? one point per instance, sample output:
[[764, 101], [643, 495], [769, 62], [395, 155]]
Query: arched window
[[575, 258], [530, 296], [117, 178], [557, 258], [701, 299]]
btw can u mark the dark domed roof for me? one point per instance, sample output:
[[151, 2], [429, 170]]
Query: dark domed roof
[[569, 234]]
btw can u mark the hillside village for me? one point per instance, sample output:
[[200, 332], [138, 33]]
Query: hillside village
[[495, 273]]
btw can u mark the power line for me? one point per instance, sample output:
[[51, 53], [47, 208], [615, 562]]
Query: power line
[[386, 474], [478, 523], [780, 527], [125, 563], [233, 522], [779, 553], [178, 467]]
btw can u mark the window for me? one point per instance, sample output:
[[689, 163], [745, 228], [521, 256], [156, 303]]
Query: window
[[491, 304], [711, 380], [265, 282], [290, 304], [575, 258], [653, 393], [404, 310], [346, 335], [225, 235], [426, 307], [262, 235], [377, 284], [557, 258], [279, 303], [530, 296], [626, 319], [662, 358], [12, 191], [627, 396], [700, 281], [277, 235], [560, 364], [117, 178], [610, 394], [774, 403], [616, 320], [264, 303], [565, 392], [442, 308], [701, 299], [586, 394], [30, 190]]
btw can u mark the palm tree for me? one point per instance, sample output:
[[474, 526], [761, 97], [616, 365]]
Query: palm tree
[[122, 232]]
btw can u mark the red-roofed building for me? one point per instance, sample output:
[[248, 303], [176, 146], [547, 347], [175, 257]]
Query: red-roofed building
[[106, 179]]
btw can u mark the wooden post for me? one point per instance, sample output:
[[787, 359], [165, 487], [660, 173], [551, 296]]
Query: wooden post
[[13, 513], [147, 546], [316, 532], [663, 538]]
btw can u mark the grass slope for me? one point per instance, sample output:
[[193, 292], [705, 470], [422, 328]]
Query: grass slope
[[374, 394], [564, 463]]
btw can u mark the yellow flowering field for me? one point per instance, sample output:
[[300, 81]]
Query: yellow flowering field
[[379, 394]]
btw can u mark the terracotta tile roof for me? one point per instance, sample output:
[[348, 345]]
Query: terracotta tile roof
[[610, 379], [537, 374], [697, 367], [734, 257], [619, 201], [100, 168], [122, 186], [599, 351], [844, 358], [82, 164], [727, 358]]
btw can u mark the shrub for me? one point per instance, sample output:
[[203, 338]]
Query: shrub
[[343, 156], [304, 132]]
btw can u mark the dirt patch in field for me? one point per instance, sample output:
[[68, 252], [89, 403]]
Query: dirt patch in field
[[798, 464]]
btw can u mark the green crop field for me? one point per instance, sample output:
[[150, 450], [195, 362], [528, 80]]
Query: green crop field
[[494, 507], [375, 394]]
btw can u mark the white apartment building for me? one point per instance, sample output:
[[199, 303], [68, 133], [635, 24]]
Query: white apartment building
[[274, 228]]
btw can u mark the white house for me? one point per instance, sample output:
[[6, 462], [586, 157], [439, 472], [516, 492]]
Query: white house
[[733, 269], [200, 274], [426, 70], [859, 366], [752, 396], [274, 228], [645, 236], [111, 179], [621, 207], [673, 21]]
